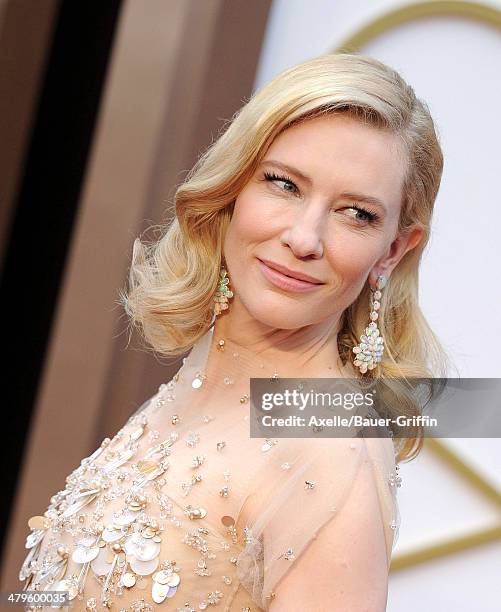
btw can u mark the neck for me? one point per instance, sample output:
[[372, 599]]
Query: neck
[[254, 350]]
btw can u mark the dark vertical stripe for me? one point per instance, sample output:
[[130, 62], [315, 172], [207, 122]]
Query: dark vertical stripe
[[46, 207]]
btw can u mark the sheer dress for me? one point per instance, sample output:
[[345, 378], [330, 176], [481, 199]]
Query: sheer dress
[[182, 510]]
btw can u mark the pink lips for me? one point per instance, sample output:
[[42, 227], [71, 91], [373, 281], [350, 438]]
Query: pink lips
[[286, 282]]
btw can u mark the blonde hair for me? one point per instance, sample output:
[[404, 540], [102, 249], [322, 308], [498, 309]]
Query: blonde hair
[[173, 278]]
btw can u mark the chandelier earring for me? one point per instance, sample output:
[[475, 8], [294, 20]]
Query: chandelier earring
[[369, 352], [223, 293]]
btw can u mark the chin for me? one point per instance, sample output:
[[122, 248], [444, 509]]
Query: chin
[[280, 322], [277, 315]]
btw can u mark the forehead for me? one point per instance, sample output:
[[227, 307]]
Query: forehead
[[341, 153]]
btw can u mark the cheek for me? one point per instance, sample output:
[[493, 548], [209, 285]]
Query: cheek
[[243, 232], [250, 222], [351, 256]]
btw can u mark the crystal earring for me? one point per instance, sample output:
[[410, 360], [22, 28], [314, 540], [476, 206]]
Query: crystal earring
[[370, 350], [222, 293]]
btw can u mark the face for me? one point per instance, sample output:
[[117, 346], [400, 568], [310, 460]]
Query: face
[[304, 209]]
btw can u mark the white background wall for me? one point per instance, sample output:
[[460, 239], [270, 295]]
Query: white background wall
[[454, 65]]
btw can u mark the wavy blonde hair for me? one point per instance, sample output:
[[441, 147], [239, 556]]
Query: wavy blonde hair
[[173, 277]]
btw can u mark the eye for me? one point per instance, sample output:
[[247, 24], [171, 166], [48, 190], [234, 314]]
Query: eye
[[368, 216], [272, 177]]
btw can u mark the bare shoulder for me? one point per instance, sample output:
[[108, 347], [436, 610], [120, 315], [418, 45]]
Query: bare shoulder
[[348, 558]]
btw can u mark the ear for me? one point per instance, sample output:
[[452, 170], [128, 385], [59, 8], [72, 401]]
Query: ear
[[405, 241]]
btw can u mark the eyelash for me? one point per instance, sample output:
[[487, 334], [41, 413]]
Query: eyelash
[[271, 176]]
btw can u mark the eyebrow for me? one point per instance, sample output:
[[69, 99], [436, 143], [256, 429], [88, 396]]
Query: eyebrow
[[352, 195]]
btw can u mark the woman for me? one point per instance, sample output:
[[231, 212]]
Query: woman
[[293, 252]]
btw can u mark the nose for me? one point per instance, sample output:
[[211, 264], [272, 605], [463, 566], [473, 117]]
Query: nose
[[303, 235]]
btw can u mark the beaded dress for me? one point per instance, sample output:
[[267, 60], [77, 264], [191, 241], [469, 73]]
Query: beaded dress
[[183, 511]]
